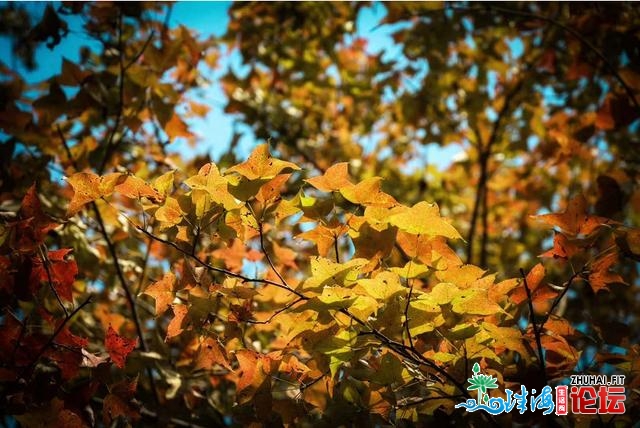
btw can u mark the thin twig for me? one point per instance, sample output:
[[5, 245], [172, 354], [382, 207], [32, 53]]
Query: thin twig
[[111, 145], [266, 255], [278, 312], [45, 264], [536, 329], [558, 299], [141, 51], [217, 269]]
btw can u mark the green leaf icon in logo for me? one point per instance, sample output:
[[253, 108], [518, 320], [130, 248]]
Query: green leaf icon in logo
[[481, 382]]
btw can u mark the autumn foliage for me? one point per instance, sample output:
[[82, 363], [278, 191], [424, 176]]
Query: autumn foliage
[[314, 279]]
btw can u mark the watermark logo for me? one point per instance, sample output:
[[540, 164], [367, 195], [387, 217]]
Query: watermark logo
[[588, 395]]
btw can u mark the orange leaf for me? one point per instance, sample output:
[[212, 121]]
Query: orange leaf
[[261, 165], [250, 371], [135, 188], [574, 219], [114, 407], [118, 347], [324, 237], [562, 248], [163, 292], [541, 293], [368, 192], [234, 255], [334, 178], [87, 187], [600, 275], [211, 352], [176, 127], [272, 189], [170, 213], [175, 326]]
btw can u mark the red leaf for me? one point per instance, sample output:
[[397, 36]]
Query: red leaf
[[114, 407], [61, 272], [35, 225], [118, 347]]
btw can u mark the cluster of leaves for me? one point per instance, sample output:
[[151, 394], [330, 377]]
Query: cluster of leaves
[[322, 287], [380, 325]]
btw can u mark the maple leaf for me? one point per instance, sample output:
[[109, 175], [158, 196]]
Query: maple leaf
[[235, 255], [272, 189], [175, 326], [164, 183], [326, 272], [335, 178], [118, 347], [176, 127], [209, 187], [541, 293], [163, 291], [368, 192], [261, 165], [323, 236], [32, 230], [51, 414], [250, 370], [562, 248], [87, 187], [135, 188], [575, 220], [210, 353], [422, 219], [475, 302], [600, 275], [120, 403], [59, 270], [170, 213]]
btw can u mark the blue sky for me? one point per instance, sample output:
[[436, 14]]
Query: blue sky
[[208, 18]]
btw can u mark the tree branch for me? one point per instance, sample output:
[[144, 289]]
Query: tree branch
[[536, 329]]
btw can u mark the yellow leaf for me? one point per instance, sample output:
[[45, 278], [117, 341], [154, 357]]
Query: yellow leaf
[[384, 286], [443, 293], [422, 219], [170, 213], [164, 183], [324, 272], [505, 338], [475, 302], [368, 192], [411, 270], [209, 187]]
